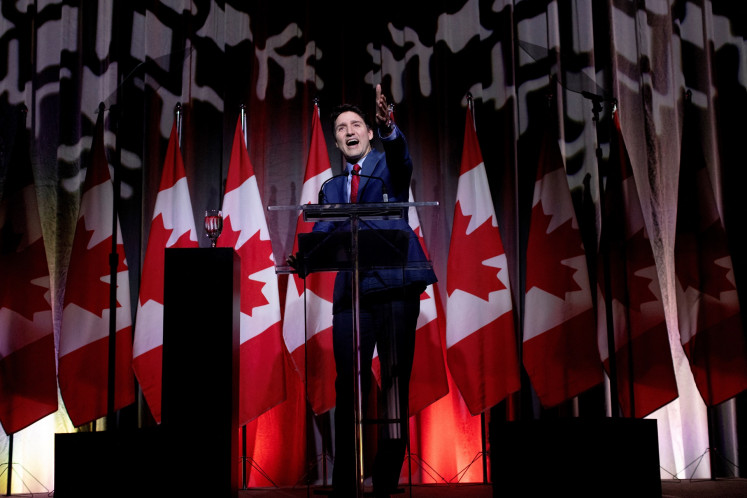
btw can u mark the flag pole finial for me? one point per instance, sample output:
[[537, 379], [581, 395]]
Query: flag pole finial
[[471, 107], [242, 114], [178, 114]]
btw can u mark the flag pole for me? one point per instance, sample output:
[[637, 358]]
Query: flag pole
[[604, 255], [10, 465], [21, 122], [483, 421], [113, 264], [244, 457]]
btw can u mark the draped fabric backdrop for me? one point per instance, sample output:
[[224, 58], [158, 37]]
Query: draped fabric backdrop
[[521, 61]]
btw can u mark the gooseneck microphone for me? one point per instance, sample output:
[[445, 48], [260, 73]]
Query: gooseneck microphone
[[321, 197]]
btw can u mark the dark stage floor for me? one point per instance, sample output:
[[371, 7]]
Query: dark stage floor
[[701, 488]]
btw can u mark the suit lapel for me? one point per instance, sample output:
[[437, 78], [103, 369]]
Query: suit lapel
[[374, 160]]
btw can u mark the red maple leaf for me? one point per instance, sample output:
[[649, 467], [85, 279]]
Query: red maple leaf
[[546, 251], [695, 261], [152, 283], [88, 267], [625, 259], [640, 257], [18, 269], [482, 244], [255, 256]]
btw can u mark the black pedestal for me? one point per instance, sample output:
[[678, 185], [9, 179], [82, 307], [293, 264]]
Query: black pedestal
[[194, 452], [199, 407], [575, 457], [115, 464]]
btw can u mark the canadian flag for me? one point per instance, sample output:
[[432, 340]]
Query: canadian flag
[[84, 332], [312, 356], [561, 356], [28, 383], [173, 225], [428, 381], [262, 370], [707, 303], [643, 358], [480, 333]]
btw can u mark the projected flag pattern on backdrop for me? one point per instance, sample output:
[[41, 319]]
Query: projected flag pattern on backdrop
[[707, 303], [28, 378], [643, 358]]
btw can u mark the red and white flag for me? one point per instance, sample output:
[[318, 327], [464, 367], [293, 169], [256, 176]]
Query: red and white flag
[[84, 333], [428, 381], [312, 355], [262, 370], [707, 303], [643, 358], [561, 355], [28, 382], [173, 225], [480, 333]]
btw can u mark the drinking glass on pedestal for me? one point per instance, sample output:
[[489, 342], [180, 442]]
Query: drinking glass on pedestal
[[213, 225]]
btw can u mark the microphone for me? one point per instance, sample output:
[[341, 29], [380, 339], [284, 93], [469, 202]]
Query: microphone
[[384, 196], [321, 197]]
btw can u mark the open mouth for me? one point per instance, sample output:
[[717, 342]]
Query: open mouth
[[352, 142]]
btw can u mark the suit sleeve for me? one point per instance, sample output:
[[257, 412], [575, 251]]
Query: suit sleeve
[[400, 165]]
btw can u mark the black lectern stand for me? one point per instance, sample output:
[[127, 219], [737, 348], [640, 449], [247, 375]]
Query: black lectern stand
[[355, 251], [196, 446], [199, 407]]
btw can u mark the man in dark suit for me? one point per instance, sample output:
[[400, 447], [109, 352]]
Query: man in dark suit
[[389, 297]]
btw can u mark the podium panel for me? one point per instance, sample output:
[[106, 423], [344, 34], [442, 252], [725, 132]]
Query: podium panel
[[199, 407]]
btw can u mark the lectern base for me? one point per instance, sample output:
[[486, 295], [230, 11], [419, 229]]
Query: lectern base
[[576, 457]]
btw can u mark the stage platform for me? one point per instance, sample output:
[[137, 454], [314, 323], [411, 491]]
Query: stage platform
[[696, 488]]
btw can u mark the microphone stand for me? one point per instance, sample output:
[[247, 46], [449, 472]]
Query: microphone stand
[[384, 196], [321, 196]]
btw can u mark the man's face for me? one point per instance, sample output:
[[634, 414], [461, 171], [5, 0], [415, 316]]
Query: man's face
[[352, 136]]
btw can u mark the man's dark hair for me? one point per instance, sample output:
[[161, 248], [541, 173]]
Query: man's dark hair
[[348, 108]]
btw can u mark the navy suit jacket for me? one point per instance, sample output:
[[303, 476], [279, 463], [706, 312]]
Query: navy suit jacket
[[394, 168]]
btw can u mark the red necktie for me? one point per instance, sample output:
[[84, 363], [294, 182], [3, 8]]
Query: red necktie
[[354, 183]]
